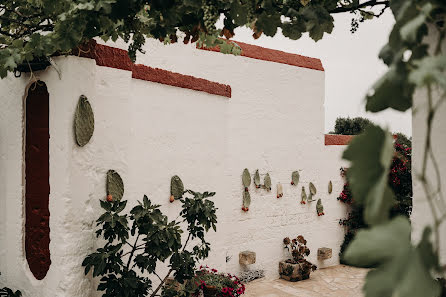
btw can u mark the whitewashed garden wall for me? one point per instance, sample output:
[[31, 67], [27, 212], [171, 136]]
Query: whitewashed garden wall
[[149, 131]]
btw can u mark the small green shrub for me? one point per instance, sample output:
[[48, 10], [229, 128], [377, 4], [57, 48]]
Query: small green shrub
[[124, 272], [351, 126]]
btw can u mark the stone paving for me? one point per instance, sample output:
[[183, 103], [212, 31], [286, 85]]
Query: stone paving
[[337, 281]]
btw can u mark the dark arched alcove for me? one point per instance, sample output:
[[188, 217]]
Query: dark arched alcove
[[37, 186]]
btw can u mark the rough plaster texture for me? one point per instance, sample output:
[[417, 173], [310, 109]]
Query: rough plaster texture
[[149, 132]]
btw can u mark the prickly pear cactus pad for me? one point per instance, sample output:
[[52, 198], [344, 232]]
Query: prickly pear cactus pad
[[176, 187], [330, 187], [83, 121], [303, 196], [279, 190], [312, 189], [246, 178], [246, 201], [295, 178], [267, 182], [319, 207], [115, 185], [310, 198], [257, 179]]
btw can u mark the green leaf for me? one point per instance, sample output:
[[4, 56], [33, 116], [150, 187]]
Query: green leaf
[[410, 30], [146, 201], [370, 155], [246, 178], [83, 121], [430, 70], [399, 268], [239, 12], [392, 90], [115, 185], [121, 206], [426, 250], [10, 63], [379, 244], [176, 187], [106, 205], [268, 23]]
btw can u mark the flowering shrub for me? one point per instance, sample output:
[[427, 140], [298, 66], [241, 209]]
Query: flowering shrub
[[218, 284], [346, 195], [400, 181]]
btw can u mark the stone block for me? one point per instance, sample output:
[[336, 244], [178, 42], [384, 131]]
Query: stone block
[[247, 257], [324, 253]]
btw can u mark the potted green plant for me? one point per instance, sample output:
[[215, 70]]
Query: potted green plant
[[297, 268], [214, 284]]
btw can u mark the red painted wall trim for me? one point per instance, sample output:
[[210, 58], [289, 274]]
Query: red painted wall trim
[[334, 139], [180, 80], [117, 58], [37, 186], [267, 54]]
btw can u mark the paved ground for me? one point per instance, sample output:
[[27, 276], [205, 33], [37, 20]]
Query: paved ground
[[337, 281]]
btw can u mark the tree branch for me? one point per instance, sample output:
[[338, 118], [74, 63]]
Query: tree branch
[[133, 251], [170, 270], [386, 4]]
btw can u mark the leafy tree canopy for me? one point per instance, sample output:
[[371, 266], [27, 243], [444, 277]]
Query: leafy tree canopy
[[31, 29], [351, 126]]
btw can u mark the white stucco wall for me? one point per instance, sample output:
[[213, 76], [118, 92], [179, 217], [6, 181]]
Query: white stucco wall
[[422, 214], [149, 132]]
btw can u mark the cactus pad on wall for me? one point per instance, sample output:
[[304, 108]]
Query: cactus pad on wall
[[330, 187], [115, 186], [319, 208], [246, 201], [267, 182], [176, 187], [257, 179], [295, 178], [279, 190], [246, 178], [83, 121], [312, 189], [303, 196]]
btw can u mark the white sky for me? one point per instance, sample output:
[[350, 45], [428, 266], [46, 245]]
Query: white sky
[[351, 67]]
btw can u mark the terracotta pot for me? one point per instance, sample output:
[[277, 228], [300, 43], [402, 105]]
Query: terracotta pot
[[293, 272], [210, 291]]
